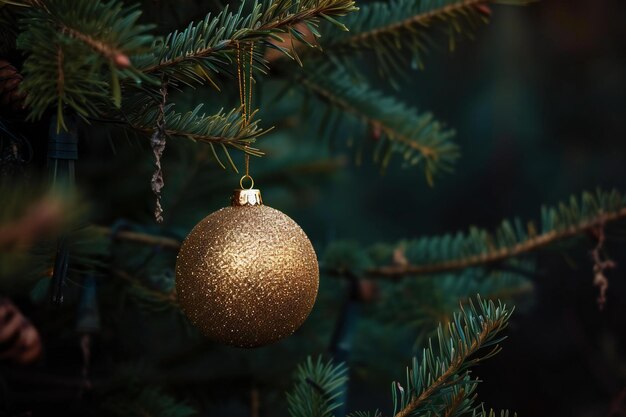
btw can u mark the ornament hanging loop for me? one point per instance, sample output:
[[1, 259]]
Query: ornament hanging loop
[[246, 177]]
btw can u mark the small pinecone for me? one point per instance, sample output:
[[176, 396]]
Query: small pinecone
[[10, 79]]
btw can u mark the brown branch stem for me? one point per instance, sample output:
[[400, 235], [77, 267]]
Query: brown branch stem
[[455, 403]]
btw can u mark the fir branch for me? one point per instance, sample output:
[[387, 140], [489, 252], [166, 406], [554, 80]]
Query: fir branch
[[447, 365], [419, 304], [112, 53], [212, 42], [478, 247], [223, 129], [402, 30], [397, 128], [317, 388], [427, 13], [91, 42]]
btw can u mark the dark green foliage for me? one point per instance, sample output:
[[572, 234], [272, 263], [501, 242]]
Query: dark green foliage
[[404, 30], [417, 303], [369, 116], [479, 247], [317, 388], [438, 383], [471, 337], [87, 40], [219, 131], [203, 50], [77, 52]]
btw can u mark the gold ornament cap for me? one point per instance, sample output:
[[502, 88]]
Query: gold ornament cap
[[246, 197]]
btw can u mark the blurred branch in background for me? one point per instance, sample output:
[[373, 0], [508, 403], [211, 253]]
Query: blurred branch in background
[[38, 220]]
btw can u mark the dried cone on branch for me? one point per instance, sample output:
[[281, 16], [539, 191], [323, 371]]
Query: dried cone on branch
[[19, 339], [10, 79]]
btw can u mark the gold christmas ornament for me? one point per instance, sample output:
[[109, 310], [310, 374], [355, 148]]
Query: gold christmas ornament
[[247, 275]]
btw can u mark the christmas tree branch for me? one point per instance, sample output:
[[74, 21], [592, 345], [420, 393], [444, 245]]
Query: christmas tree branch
[[479, 247], [419, 304], [108, 51], [211, 43], [223, 129], [373, 122], [444, 11], [396, 129], [455, 365], [447, 366], [402, 30], [91, 42], [444, 369]]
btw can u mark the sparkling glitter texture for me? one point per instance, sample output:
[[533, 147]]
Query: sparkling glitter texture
[[247, 276]]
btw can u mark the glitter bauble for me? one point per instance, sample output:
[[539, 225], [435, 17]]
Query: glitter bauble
[[247, 275]]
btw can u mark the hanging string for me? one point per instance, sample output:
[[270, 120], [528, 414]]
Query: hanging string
[[245, 98], [242, 84]]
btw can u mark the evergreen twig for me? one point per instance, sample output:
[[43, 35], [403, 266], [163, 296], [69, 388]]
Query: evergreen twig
[[447, 365], [404, 30], [481, 248], [396, 128], [212, 41]]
